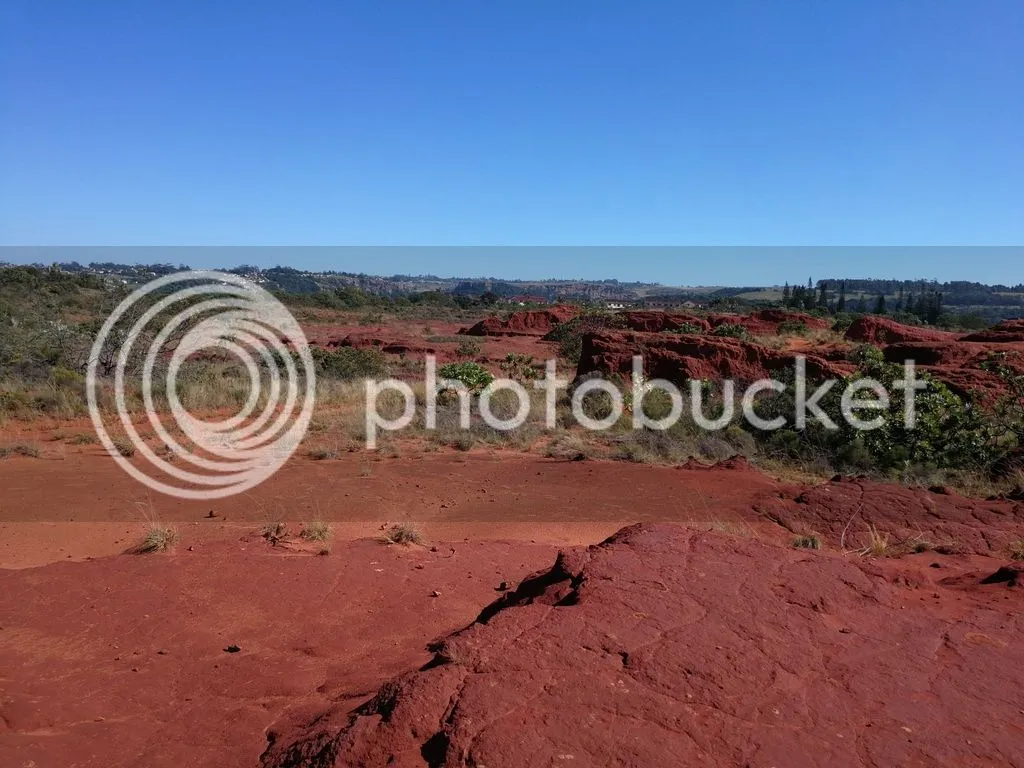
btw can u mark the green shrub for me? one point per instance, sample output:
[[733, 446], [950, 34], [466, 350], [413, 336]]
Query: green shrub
[[63, 378], [569, 335], [741, 441], [843, 321], [518, 367], [792, 328], [657, 404], [473, 375], [349, 363], [949, 432], [469, 348], [866, 355], [731, 330]]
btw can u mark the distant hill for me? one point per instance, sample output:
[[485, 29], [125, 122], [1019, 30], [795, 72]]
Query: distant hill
[[988, 302]]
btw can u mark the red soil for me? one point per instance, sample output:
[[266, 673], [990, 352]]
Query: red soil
[[665, 646], [120, 660], [843, 512]]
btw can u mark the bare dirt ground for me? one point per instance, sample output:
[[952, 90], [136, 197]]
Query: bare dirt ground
[[121, 659]]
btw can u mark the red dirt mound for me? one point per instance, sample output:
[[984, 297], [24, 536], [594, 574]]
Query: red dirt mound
[[691, 356], [666, 646], [843, 512], [766, 322], [526, 323], [873, 329], [1006, 331], [653, 321]]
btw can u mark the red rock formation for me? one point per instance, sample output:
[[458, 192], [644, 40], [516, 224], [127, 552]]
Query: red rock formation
[[1001, 333], [873, 329], [666, 646], [680, 357], [766, 322], [653, 321], [524, 323], [958, 364]]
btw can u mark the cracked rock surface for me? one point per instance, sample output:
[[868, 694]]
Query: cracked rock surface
[[669, 646]]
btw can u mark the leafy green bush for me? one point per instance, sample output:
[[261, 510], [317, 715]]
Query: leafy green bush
[[866, 355], [949, 432], [731, 330], [473, 375], [688, 328], [843, 322]]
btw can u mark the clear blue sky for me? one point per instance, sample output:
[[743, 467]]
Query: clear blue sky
[[522, 122]]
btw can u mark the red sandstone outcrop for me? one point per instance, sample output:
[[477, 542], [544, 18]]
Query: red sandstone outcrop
[[667, 646], [766, 322], [680, 357], [1007, 331], [873, 329], [525, 323], [653, 321]]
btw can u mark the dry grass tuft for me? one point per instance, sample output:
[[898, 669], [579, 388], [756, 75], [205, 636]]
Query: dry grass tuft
[[158, 538], [878, 543], [807, 542], [29, 450], [1017, 550], [322, 454], [274, 532], [569, 447], [124, 447], [318, 530], [403, 533]]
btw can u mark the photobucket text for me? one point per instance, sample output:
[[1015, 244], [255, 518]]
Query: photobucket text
[[859, 398]]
